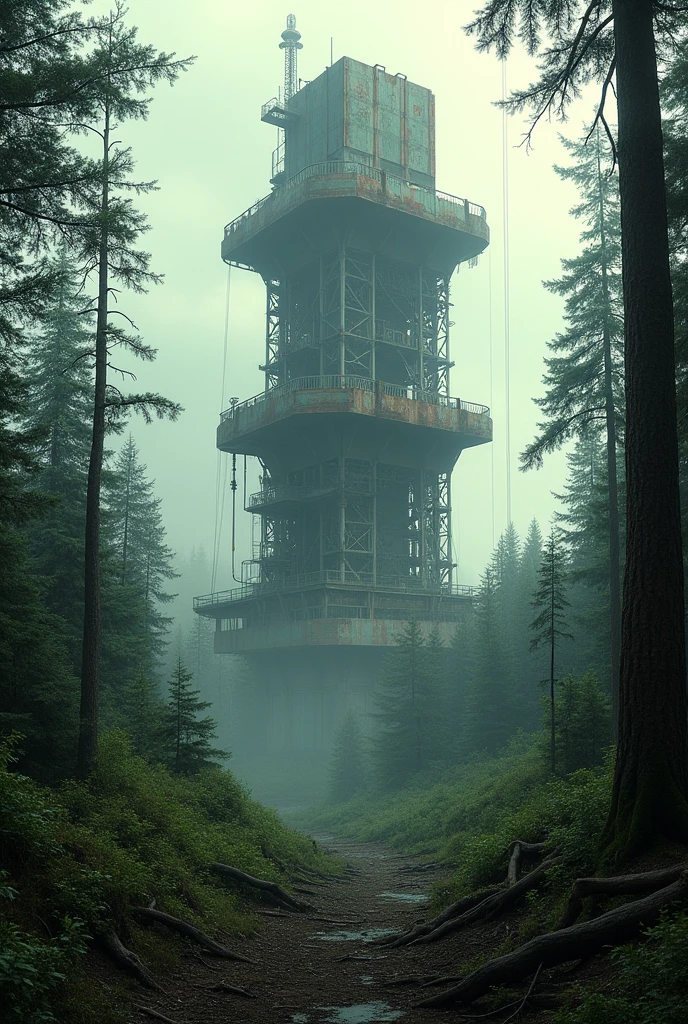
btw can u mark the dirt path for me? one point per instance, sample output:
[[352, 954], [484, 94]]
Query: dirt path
[[314, 971]]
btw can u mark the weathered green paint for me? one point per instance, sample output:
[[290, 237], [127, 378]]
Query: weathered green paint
[[360, 113]]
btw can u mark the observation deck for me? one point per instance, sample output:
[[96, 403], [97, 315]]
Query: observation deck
[[422, 425], [328, 609], [446, 231]]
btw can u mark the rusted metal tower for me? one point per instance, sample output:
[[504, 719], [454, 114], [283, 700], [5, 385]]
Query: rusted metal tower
[[356, 430]]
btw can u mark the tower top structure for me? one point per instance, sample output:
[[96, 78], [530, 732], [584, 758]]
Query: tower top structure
[[291, 45]]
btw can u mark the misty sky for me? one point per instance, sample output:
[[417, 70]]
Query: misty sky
[[207, 147]]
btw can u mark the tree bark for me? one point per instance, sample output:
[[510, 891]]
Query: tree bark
[[90, 651], [581, 940], [650, 794], [127, 961]]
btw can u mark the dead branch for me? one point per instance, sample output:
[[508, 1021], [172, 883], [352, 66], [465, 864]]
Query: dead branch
[[620, 885], [275, 891], [236, 990], [150, 1012], [189, 932], [611, 929], [127, 961]]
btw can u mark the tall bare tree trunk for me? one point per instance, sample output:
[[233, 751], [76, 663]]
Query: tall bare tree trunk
[[90, 655], [650, 795], [612, 474]]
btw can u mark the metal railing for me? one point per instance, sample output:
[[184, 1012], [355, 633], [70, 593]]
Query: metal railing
[[336, 381], [395, 186], [332, 577]]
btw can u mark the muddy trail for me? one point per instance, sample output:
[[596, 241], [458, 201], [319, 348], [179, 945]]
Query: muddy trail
[[322, 967]]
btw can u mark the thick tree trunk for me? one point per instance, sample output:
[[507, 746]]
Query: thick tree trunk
[[90, 651], [650, 795]]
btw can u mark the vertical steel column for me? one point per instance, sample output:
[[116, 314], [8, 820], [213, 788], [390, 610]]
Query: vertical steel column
[[321, 321], [373, 330], [342, 517], [421, 332], [342, 313]]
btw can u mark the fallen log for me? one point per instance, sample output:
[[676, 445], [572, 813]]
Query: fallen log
[[275, 891], [127, 961], [457, 908], [619, 885], [188, 931], [611, 929], [492, 905]]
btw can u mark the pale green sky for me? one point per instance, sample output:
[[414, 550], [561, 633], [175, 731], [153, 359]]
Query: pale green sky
[[206, 145]]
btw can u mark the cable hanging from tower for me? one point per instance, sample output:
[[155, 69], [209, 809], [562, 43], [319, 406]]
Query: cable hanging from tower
[[507, 312]]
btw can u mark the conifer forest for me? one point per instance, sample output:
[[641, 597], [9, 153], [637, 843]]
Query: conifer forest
[[350, 701]]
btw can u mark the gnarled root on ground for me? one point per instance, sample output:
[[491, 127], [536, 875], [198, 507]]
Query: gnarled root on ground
[[580, 940], [126, 960], [620, 885], [148, 914], [483, 905], [494, 905], [460, 907], [276, 892]]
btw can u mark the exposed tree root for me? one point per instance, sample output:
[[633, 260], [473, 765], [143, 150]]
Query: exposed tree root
[[276, 892], [460, 907], [490, 907], [188, 931], [620, 885], [616, 926], [150, 1012], [127, 961], [516, 850]]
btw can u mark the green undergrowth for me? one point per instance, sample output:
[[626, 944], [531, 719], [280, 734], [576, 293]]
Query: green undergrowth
[[468, 816], [76, 860], [649, 982]]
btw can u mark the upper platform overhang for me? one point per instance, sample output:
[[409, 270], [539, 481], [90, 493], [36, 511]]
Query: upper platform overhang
[[429, 434], [314, 210]]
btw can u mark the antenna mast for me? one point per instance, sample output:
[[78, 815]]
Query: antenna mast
[[291, 45]]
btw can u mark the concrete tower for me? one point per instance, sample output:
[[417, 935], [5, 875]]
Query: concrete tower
[[356, 430]]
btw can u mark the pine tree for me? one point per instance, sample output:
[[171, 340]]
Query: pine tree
[[527, 705], [406, 703], [548, 625], [59, 382], [583, 723], [127, 71], [186, 738], [347, 774], [584, 379], [142, 709], [490, 705], [37, 690]]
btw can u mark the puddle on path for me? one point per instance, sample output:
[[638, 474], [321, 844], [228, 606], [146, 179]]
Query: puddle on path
[[361, 1013], [367, 979], [406, 897], [365, 935]]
